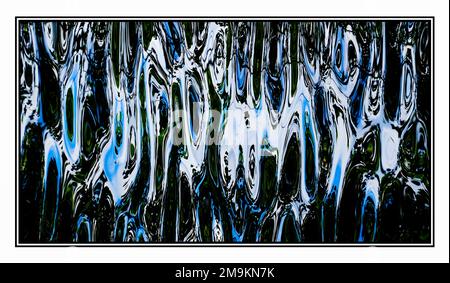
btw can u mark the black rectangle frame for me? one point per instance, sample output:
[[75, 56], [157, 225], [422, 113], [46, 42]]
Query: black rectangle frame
[[431, 19]]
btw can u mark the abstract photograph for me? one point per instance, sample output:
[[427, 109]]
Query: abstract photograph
[[218, 131]]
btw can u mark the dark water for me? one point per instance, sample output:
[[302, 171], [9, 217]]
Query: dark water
[[225, 132]]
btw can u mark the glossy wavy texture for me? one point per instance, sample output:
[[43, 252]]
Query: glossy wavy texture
[[313, 132]]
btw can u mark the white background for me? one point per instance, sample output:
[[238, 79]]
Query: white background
[[357, 8]]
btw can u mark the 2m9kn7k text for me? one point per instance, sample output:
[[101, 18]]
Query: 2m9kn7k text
[[227, 272]]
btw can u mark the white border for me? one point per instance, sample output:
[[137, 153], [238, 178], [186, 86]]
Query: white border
[[260, 254]]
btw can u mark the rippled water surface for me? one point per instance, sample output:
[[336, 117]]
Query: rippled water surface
[[313, 132]]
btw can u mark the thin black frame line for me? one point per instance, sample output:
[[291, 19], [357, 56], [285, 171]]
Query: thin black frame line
[[16, 144], [431, 19], [229, 245], [433, 135], [226, 17]]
